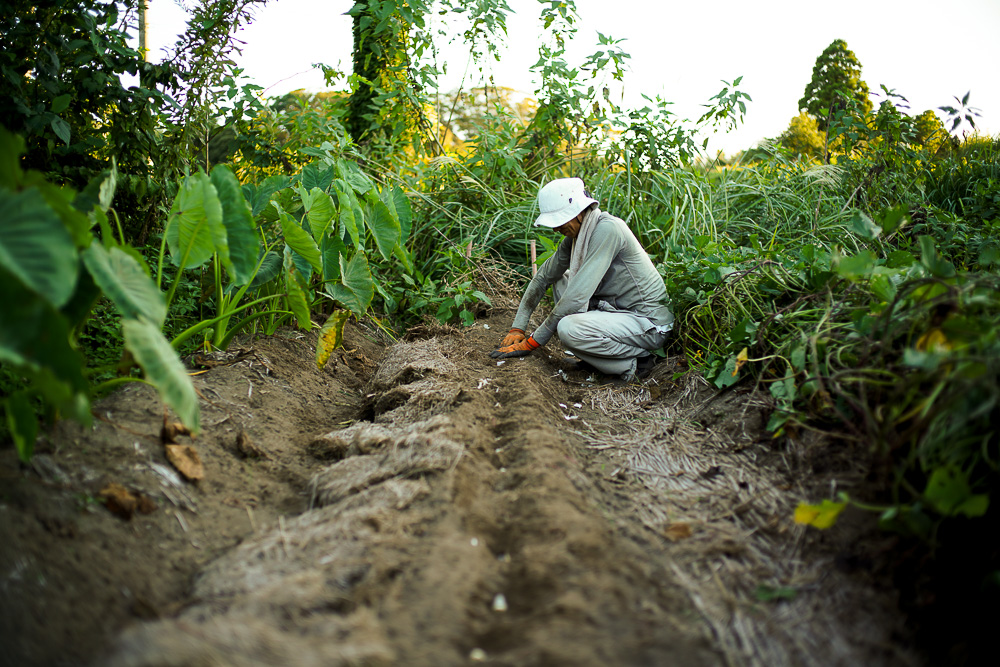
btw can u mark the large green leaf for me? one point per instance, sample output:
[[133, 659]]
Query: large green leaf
[[317, 175], [195, 227], [304, 267], [351, 172], [35, 246], [384, 228], [240, 229], [350, 219], [332, 249], [259, 196], [163, 369], [125, 283], [399, 205], [320, 213], [270, 269], [33, 335], [305, 196], [23, 425], [356, 288], [298, 302], [299, 239]]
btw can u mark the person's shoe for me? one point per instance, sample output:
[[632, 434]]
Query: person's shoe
[[644, 365], [581, 365]]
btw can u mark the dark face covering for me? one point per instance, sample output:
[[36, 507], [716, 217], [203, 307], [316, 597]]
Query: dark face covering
[[571, 228]]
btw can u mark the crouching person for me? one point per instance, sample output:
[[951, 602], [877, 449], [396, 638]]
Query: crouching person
[[610, 303]]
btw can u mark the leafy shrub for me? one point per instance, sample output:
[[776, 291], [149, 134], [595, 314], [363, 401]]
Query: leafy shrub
[[74, 113], [53, 271]]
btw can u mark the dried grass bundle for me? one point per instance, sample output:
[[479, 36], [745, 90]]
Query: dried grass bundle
[[734, 547]]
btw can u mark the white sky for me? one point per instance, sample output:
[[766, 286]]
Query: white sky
[[928, 51]]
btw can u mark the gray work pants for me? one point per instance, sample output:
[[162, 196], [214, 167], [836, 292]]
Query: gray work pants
[[611, 342]]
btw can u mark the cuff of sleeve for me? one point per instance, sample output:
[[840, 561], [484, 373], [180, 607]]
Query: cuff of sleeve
[[532, 343], [542, 334]]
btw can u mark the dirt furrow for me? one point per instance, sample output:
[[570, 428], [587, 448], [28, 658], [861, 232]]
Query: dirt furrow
[[458, 525], [460, 511]]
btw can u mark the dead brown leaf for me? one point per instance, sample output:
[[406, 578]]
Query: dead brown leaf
[[170, 431], [247, 448], [185, 458], [677, 531], [124, 503]]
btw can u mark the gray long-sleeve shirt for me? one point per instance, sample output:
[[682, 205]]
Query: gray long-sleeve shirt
[[615, 270]]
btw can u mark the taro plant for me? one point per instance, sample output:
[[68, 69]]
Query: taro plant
[[284, 244], [211, 221], [53, 268]]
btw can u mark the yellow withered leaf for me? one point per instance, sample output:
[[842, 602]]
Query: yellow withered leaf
[[331, 336], [679, 530], [820, 516], [933, 341], [741, 359]]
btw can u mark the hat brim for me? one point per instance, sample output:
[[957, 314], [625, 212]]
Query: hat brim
[[554, 219]]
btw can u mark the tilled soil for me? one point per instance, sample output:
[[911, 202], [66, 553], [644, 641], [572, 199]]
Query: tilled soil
[[420, 503]]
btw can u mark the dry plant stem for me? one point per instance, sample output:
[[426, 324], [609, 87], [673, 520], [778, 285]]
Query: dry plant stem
[[253, 524]]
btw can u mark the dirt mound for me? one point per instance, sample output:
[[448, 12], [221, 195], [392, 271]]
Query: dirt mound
[[73, 574], [435, 507]]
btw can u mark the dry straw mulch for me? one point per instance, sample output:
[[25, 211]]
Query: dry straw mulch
[[726, 516]]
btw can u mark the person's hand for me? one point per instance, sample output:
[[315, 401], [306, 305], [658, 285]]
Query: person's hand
[[525, 347], [513, 338]]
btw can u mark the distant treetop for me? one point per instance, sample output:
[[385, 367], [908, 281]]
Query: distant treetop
[[836, 77]]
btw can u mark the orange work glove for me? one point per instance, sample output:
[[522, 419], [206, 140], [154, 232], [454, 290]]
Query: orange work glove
[[525, 347], [513, 338]]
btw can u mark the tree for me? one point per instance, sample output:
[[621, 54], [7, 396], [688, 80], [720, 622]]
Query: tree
[[369, 61], [464, 113], [273, 141], [386, 100], [931, 133], [60, 89], [803, 136], [836, 78]]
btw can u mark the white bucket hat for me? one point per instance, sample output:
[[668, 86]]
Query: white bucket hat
[[560, 201]]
